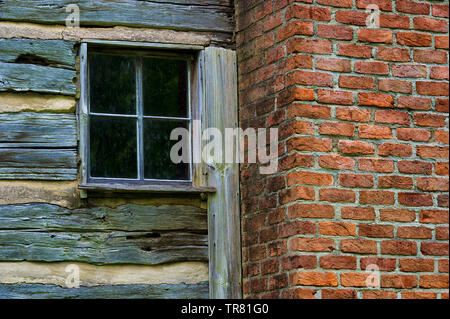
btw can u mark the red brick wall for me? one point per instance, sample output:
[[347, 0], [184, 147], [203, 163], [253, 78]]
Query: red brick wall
[[363, 164]]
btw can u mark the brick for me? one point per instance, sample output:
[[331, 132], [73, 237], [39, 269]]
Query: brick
[[397, 247], [409, 71], [337, 229], [430, 24], [308, 46], [441, 42], [440, 10], [269, 266], [376, 231], [416, 265], [392, 181], [336, 195], [351, 17], [257, 253], [433, 184], [309, 178], [297, 262], [334, 32], [311, 211], [295, 127], [355, 50], [391, 85], [415, 199], [338, 262], [413, 7], [309, 144], [338, 294], [376, 197], [414, 39], [414, 232], [356, 180], [380, 68], [314, 278], [441, 137], [376, 165], [392, 117], [336, 3], [336, 162], [379, 294], [415, 167], [399, 150], [296, 193], [434, 281], [352, 114], [355, 82], [384, 5], [442, 234], [294, 28], [359, 246], [434, 216], [425, 151], [439, 73], [334, 64], [434, 249], [398, 281], [296, 227], [312, 244], [309, 111], [430, 56], [335, 128], [432, 88], [393, 54], [413, 134], [354, 279], [309, 13], [384, 264], [418, 295], [258, 285], [296, 160], [374, 132], [375, 99], [441, 168], [299, 293], [443, 200], [355, 147], [309, 78], [397, 215], [335, 97], [414, 103], [394, 21], [443, 265], [375, 36], [358, 213]]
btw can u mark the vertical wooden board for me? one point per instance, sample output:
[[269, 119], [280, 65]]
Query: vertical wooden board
[[49, 52], [37, 130], [133, 13], [223, 206], [36, 78]]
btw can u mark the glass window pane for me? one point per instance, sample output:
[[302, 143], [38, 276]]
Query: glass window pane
[[112, 84], [165, 87], [113, 147], [157, 147]]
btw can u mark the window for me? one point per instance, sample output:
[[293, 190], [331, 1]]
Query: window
[[133, 99]]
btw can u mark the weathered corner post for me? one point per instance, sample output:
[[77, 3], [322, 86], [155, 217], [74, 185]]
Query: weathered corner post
[[223, 205]]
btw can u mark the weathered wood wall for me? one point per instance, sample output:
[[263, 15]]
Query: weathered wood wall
[[43, 220]]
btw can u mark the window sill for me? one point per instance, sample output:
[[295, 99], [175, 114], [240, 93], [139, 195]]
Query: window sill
[[161, 188]]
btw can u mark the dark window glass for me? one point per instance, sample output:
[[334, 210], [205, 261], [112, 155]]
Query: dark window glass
[[112, 84], [165, 87], [157, 147], [113, 147]]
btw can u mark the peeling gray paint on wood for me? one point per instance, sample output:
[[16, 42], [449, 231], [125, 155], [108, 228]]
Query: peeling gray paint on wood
[[36, 78], [38, 130], [129, 234], [163, 291], [53, 52], [38, 164], [207, 15]]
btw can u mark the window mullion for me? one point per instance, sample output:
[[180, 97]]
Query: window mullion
[[140, 113]]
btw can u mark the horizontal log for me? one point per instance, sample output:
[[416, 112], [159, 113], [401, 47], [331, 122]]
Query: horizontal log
[[36, 78], [129, 234], [129, 217], [33, 130], [35, 102], [49, 52], [164, 291], [135, 13]]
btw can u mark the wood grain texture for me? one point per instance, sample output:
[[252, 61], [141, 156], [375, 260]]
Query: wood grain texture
[[205, 15], [223, 206], [36, 78], [129, 234], [56, 53], [33, 130], [38, 164], [163, 291]]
